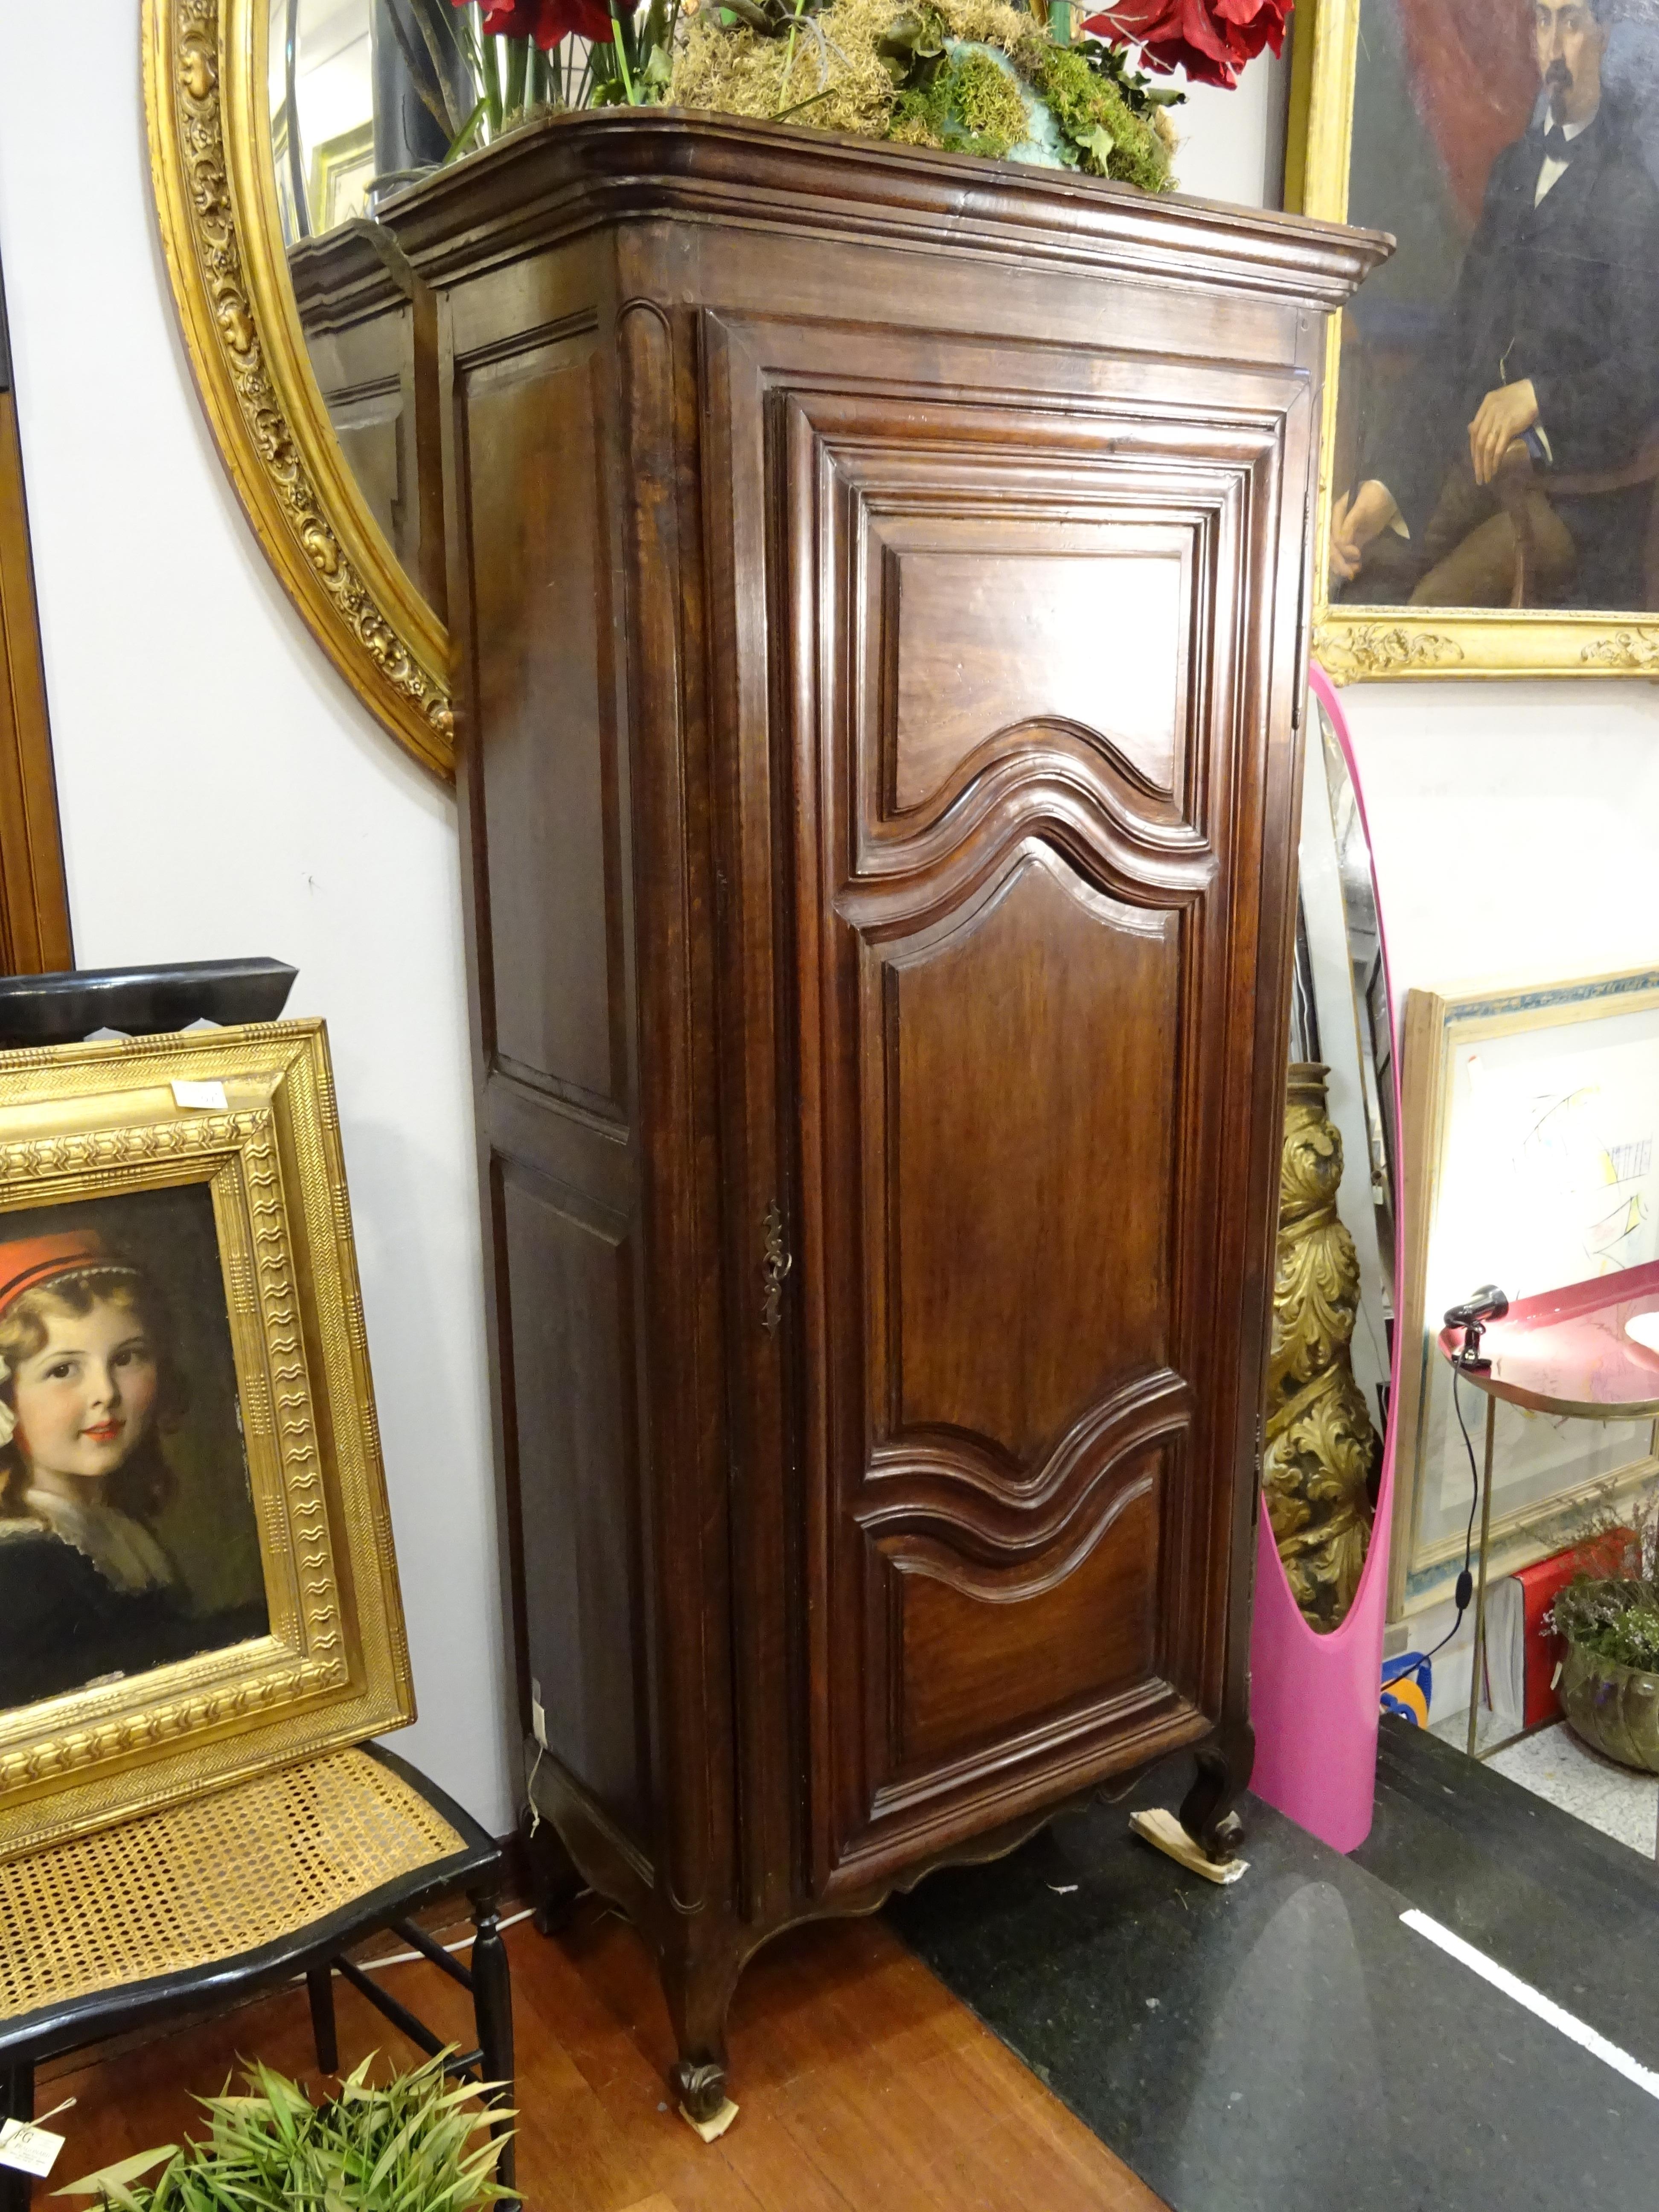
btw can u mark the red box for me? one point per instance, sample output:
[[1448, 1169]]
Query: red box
[[1616, 1553]]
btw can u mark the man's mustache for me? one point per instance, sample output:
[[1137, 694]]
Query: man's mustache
[[1558, 76]]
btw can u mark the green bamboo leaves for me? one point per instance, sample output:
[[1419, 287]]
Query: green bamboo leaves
[[406, 2146]]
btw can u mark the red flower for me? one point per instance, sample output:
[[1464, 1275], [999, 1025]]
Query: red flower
[[1211, 40], [547, 22]]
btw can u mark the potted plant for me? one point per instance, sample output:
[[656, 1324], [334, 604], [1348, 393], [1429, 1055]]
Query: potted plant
[[404, 2146], [1610, 1683]]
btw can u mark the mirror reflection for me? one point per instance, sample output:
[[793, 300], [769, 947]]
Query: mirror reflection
[[1327, 1383], [366, 96], [343, 121]]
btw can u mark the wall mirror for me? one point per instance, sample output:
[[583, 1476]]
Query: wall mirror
[[276, 125], [1329, 1400]]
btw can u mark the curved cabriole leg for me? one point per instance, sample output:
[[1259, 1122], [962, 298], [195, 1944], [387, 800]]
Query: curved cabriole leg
[[699, 1992], [1224, 1773]]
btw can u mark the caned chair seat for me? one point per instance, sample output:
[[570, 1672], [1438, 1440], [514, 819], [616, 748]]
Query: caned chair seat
[[237, 1889]]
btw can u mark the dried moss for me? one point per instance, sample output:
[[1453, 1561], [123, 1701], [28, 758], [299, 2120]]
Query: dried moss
[[739, 73], [973, 104], [1085, 105], [987, 99], [831, 76]]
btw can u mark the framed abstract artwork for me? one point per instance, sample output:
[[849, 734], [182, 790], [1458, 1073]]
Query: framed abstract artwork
[[197, 1578], [1530, 1148], [1489, 501]]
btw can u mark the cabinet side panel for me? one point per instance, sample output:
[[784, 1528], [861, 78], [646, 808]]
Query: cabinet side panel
[[540, 605], [569, 1291]]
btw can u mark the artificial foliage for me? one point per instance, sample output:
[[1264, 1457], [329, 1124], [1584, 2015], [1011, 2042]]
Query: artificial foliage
[[405, 2147], [1210, 39], [977, 76], [1016, 80], [1615, 1619]]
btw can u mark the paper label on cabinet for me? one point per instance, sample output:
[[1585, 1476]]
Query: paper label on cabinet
[[28, 2149], [211, 1095]]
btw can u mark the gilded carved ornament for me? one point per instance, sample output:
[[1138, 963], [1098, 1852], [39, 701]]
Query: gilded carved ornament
[[1320, 1448], [1348, 651], [207, 158]]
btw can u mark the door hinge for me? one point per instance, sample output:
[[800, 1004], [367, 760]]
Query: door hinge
[[774, 1268]]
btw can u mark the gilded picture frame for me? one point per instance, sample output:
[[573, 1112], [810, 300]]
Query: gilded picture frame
[[103, 1148], [1529, 1146], [215, 184], [1361, 642]]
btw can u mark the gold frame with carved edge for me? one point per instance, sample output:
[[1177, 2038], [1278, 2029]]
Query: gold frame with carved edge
[[206, 100], [1439, 1024], [1358, 643], [94, 1121]]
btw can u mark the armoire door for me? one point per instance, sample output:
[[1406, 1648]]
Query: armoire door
[[1020, 659]]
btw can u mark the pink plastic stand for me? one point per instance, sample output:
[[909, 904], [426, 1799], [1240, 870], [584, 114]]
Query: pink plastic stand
[[1314, 1699]]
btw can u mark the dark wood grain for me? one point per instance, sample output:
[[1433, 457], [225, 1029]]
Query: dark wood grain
[[34, 921], [877, 581]]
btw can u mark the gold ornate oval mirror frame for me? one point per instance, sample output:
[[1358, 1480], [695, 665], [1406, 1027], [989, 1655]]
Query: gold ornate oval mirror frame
[[216, 196]]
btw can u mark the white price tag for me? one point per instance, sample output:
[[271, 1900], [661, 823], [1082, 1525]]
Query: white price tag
[[209, 1095], [27, 2148]]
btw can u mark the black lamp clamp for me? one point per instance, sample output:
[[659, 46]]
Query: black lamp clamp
[[1488, 1304]]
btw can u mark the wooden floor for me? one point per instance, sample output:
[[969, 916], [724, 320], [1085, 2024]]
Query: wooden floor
[[863, 2085]]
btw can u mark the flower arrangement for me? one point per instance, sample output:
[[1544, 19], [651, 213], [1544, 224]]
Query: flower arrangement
[[1211, 40], [1613, 1619], [1032, 80]]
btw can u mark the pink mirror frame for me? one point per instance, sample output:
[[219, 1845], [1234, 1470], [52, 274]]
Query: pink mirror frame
[[1314, 1699]]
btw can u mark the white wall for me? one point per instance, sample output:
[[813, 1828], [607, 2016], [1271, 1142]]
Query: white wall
[[1511, 825], [1232, 143], [223, 793]]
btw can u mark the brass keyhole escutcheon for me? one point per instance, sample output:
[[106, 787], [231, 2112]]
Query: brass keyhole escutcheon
[[774, 1268]]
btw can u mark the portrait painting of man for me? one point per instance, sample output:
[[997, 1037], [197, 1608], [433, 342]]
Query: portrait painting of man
[[1497, 416], [127, 1537]]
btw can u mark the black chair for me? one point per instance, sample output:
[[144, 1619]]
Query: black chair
[[353, 1798]]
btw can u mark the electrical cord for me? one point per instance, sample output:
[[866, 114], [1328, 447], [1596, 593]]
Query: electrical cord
[[1465, 1590]]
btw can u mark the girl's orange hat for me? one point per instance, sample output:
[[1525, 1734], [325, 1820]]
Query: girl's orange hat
[[32, 1260]]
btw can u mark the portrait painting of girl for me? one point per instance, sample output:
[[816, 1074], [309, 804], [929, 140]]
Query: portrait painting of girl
[[91, 1387]]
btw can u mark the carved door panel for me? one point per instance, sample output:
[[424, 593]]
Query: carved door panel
[[1018, 716]]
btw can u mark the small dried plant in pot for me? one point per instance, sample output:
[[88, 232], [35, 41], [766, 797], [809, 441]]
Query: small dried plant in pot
[[1610, 1683]]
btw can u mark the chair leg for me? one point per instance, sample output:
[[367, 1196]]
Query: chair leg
[[319, 1987], [492, 2000], [17, 2103]]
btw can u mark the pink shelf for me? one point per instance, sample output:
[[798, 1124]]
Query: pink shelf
[[1566, 1352]]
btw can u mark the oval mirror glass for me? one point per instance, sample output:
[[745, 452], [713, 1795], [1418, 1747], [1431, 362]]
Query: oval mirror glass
[[346, 126], [1328, 1408]]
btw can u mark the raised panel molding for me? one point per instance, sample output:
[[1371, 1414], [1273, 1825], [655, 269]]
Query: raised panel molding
[[960, 608], [544, 712], [978, 1657], [998, 868], [974, 1229], [985, 1504]]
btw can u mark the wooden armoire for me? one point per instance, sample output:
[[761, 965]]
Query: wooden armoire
[[880, 583]]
